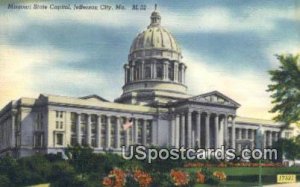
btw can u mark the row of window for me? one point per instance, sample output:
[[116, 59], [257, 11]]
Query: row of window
[[103, 131], [159, 73]]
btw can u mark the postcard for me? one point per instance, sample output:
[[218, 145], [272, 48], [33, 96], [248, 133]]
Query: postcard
[[149, 93]]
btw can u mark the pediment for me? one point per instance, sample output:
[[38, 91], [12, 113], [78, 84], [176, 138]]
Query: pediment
[[94, 98], [215, 97]]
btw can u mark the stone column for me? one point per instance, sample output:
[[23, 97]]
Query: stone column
[[127, 131], [144, 132], [247, 134], [253, 138], [89, 130], [265, 139], [240, 130], [207, 131], [270, 138], [217, 131], [165, 70], [183, 74], [136, 128], [233, 140], [182, 138], [99, 126], [118, 133], [276, 136], [175, 71], [177, 139], [226, 131], [78, 128], [154, 69], [180, 73], [132, 72], [125, 71], [143, 69], [198, 128], [13, 129], [189, 129], [153, 131], [221, 133], [172, 132], [108, 132]]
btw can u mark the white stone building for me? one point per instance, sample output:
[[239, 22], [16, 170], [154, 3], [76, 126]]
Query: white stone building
[[154, 97]]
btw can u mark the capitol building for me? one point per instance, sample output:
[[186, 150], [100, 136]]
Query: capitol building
[[154, 99]]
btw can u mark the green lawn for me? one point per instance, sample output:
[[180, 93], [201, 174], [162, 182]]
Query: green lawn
[[238, 176], [242, 171]]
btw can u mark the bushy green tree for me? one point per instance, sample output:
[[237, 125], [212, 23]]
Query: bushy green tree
[[79, 157], [290, 148], [5, 181], [285, 89], [62, 174], [37, 168]]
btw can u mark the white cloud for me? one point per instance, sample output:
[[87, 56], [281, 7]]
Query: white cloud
[[221, 19], [22, 70], [205, 19], [247, 88]]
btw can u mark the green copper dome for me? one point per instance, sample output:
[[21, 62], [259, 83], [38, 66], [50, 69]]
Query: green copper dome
[[155, 41]]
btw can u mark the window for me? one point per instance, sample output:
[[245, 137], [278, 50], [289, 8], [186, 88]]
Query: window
[[59, 114], [148, 132], [171, 73], [147, 72], [73, 140], [73, 122], [38, 140], [59, 139], [59, 125], [159, 72], [103, 130], [93, 142], [128, 75], [136, 73]]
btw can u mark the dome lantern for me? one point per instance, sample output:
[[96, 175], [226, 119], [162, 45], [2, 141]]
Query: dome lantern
[[155, 18]]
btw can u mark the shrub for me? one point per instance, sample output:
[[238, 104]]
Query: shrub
[[200, 177], [116, 178], [179, 178], [63, 174], [4, 181], [220, 175], [161, 179], [143, 178]]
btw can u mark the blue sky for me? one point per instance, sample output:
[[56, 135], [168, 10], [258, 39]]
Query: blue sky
[[227, 45]]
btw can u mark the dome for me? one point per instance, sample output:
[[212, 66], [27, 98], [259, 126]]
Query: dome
[[155, 72], [155, 41]]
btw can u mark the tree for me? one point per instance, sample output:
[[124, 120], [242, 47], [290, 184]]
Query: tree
[[286, 89], [79, 157]]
